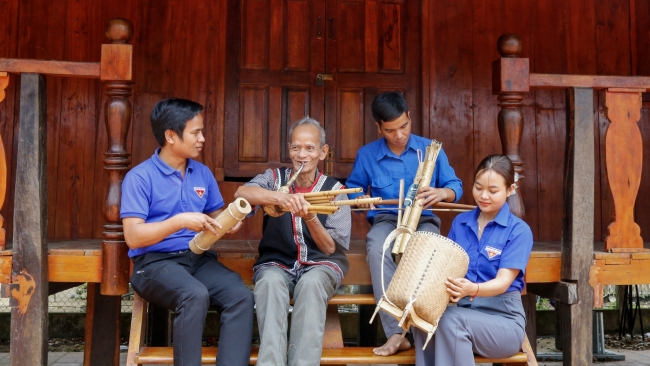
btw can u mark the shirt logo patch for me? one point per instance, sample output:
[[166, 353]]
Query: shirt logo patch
[[492, 252], [200, 191]]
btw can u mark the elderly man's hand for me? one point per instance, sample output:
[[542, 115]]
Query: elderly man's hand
[[294, 203]]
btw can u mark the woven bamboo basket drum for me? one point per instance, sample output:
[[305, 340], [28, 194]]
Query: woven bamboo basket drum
[[417, 294]]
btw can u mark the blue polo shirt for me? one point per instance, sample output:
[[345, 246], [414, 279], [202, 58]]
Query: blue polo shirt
[[380, 169], [154, 191], [506, 243]]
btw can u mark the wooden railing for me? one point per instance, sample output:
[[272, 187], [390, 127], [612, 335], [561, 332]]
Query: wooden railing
[[29, 272], [512, 79]]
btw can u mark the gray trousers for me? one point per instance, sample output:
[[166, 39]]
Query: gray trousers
[[189, 284], [381, 228], [273, 290], [489, 326]]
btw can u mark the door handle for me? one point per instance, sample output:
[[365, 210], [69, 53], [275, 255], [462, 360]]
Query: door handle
[[321, 78]]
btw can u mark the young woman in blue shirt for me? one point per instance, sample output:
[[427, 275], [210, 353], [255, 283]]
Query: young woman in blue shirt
[[489, 318]]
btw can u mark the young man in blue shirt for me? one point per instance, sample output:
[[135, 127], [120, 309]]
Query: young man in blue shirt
[[378, 168], [166, 200]]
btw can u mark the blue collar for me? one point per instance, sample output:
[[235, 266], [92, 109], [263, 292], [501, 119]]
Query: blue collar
[[166, 169], [501, 218], [384, 150]]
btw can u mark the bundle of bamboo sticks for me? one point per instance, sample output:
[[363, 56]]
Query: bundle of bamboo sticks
[[323, 202]]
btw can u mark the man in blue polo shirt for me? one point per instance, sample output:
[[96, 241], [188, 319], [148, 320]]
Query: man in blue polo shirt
[[166, 200], [378, 168]]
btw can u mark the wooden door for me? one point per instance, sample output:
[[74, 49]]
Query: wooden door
[[372, 47], [276, 50]]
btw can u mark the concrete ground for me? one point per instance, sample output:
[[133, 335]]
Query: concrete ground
[[636, 358]]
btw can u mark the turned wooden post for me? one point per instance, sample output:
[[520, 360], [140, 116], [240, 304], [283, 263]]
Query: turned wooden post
[[510, 83], [624, 161], [116, 73], [29, 267]]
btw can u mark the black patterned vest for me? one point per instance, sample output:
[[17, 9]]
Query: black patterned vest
[[287, 243]]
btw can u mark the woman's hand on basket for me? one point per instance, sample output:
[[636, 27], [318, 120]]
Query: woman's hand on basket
[[459, 288]]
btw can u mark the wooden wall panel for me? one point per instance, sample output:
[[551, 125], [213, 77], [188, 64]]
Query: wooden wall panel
[[296, 106], [253, 132], [371, 36], [347, 29], [550, 57], [350, 121], [179, 50], [297, 28], [255, 36], [451, 112], [42, 36], [391, 40], [487, 26], [78, 127]]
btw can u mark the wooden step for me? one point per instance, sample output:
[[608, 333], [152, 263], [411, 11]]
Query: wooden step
[[347, 355]]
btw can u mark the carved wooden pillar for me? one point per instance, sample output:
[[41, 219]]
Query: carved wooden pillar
[[624, 159], [116, 73], [510, 82]]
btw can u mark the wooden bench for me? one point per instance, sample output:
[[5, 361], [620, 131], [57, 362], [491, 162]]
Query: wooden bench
[[334, 352]]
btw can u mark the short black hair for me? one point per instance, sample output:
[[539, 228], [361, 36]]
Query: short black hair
[[172, 114], [388, 106]]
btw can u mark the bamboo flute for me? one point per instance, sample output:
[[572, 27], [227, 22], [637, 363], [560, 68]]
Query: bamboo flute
[[332, 193], [353, 202]]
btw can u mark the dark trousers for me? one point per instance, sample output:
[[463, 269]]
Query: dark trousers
[[189, 284]]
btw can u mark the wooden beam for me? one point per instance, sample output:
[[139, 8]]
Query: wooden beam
[[578, 226], [597, 82], [29, 287], [54, 68], [565, 292]]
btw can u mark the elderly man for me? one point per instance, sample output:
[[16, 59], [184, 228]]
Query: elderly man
[[300, 254]]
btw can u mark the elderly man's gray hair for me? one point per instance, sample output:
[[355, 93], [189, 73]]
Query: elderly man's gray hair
[[309, 121]]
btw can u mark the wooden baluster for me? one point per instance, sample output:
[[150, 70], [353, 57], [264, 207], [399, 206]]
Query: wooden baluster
[[103, 312], [510, 83], [624, 159], [116, 72], [4, 82]]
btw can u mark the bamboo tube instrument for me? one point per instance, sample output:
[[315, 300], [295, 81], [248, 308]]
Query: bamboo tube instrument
[[413, 208], [236, 211]]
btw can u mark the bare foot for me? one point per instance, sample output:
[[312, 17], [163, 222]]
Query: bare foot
[[392, 345]]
